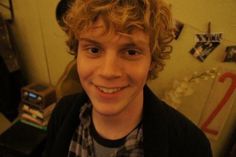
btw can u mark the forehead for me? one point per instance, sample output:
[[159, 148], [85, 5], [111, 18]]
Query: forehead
[[99, 30]]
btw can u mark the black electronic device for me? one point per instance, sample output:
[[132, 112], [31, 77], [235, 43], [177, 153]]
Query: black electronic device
[[38, 95]]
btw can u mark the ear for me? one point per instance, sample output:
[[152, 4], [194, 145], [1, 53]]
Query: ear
[[152, 66], [153, 70]]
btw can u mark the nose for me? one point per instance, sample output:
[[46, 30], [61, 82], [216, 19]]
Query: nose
[[110, 68]]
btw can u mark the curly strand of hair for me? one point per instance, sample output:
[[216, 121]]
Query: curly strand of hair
[[164, 35]]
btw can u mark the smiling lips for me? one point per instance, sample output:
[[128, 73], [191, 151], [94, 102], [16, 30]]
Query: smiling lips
[[107, 90]]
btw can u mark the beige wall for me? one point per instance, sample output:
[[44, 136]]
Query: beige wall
[[43, 53], [196, 15], [39, 40]]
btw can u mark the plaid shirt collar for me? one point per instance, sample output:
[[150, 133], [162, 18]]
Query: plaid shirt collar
[[82, 142]]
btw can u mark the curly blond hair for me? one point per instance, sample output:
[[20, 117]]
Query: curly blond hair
[[151, 16]]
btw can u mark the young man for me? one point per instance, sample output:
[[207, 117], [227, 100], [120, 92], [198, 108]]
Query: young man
[[119, 45]]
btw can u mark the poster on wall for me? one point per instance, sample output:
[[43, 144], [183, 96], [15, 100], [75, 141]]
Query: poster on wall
[[219, 104], [205, 45], [178, 29], [230, 54]]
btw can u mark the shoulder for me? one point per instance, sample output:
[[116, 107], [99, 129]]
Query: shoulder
[[68, 103], [190, 138], [159, 111], [62, 123], [67, 108], [167, 124]]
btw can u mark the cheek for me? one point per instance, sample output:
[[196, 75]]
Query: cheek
[[86, 70], [146, 70], [139, 73], [81, 68]]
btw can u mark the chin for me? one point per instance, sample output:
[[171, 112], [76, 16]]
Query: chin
[[105, 110]]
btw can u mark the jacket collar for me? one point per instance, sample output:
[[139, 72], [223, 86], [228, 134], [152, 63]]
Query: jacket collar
[[155, 125]]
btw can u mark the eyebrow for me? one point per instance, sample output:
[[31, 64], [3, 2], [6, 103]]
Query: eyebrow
[[138, 43], [135, 41], [89, 40]]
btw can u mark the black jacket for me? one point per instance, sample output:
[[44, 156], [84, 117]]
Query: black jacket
[[167, 133]]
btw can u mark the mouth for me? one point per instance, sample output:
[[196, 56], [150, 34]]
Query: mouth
[[107, 90]]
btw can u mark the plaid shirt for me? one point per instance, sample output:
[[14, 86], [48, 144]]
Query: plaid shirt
[[82, 142]]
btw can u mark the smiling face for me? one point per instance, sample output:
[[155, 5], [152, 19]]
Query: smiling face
[[113, 68]]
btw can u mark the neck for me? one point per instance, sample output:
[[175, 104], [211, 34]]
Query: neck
[[119, 125]]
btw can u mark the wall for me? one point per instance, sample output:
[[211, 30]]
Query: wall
[[39, 40], [196, 15], [40, 43]]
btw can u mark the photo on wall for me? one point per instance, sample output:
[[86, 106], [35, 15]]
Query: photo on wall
[[230, 54], [205, 44], [178, 29], [202, 49]]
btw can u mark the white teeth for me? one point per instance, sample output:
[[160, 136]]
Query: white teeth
[[109, 90]]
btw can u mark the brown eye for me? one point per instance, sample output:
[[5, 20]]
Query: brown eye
[[94, 50], [132, 52]]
